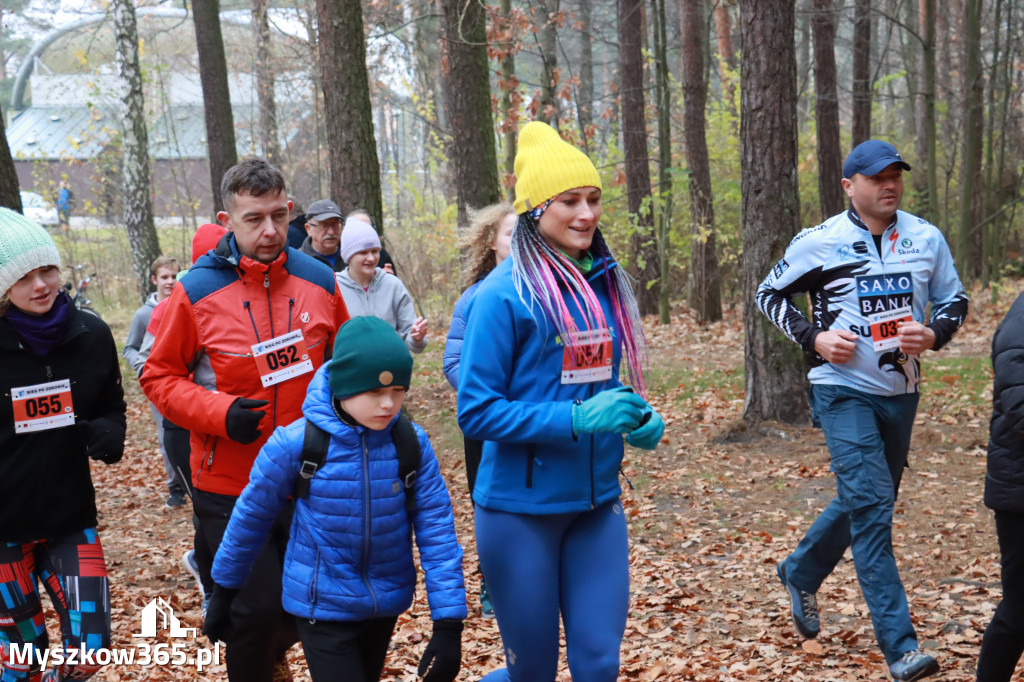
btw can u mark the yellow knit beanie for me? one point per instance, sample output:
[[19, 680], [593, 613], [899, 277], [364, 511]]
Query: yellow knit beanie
[[546, 165]]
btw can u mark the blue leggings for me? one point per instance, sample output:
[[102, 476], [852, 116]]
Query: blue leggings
[[538, 567]]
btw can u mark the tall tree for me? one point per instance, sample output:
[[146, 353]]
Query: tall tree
[[265, 82], [509, 95], [585, 100], [773, 367], [467, 92], [355, 168], [861, 71], [726, 54], [138, 206], [548, 43], [968, 238], [10, 195], [663, 105], [830, 158], [213, 76], [926, 185], [634, 137], [705, 287]]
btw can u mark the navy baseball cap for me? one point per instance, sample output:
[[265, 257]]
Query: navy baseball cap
[[871, 157], [322, 209]]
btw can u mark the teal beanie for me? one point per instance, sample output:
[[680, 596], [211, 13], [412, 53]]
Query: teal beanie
[[368, 354], [24, 246]]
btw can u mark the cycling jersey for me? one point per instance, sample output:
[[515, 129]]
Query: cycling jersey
[[855, 288]]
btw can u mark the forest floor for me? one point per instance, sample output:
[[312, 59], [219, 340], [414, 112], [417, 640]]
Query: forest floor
[[710, 513]]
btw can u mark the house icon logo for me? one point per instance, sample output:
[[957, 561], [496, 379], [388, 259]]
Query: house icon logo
[[158, 615]]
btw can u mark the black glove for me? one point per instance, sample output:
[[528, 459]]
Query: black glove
[[217, 625], [104, 440], [443, 656], [243, 420]]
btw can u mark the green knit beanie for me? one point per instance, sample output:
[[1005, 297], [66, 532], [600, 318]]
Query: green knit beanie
[[368, 354], [24, 246]]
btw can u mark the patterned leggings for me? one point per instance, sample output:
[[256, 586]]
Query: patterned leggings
[[74, 574]]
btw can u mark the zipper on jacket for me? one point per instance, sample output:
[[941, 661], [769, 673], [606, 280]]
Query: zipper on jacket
[[49, 373], [291, 308], [530, 453], [366, 526], [248, 309], [312, 587], [270, 308], [592, 493]]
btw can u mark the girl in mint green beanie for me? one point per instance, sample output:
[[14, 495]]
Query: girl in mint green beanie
[[61, 405]]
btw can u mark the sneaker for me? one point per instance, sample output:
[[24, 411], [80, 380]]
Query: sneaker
[[175, 499], [189, 559], [803, 606], [914, 665], [486, 607], [206, 601]]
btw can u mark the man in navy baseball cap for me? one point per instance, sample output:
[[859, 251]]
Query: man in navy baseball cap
[[871, 157]]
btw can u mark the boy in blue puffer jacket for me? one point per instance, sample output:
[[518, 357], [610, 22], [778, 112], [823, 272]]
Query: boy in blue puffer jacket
[[349, 569]]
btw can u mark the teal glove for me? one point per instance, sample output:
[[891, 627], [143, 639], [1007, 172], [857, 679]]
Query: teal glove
[[649, 434], [616, 410]]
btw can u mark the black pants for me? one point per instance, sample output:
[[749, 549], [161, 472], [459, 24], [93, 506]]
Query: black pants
[[1003, 642], [474, 452], [339, 651], [263, 630], [176, 441]]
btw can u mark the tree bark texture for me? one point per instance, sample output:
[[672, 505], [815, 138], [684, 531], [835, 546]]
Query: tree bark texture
[[213, 76], [969, 248], [830, 156], [585, 100], [508, 103], [774, 367], [705, 287], [726, 53], [10, 186], [861, 71], [634, 138], [355, 168], [663, 105], [548, 43], [926, 180], [265, 83], [467, 89], [138, 206]]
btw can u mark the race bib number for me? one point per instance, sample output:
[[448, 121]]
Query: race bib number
[[43, 406], [885, 328], [282, 358], [589, 359]]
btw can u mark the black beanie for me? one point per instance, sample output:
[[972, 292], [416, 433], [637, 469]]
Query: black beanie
[[368, 354]]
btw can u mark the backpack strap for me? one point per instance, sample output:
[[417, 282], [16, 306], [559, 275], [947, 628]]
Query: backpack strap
[[314, 451], [407, 443]]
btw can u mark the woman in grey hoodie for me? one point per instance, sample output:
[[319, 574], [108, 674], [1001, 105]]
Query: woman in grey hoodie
[[369, 290]]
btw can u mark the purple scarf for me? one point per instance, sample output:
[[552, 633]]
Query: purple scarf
[[40, 334]]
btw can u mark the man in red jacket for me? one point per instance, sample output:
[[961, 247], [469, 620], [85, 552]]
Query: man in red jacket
[[240, 340]]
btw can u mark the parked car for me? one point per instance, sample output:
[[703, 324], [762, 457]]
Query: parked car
[[36, 208]]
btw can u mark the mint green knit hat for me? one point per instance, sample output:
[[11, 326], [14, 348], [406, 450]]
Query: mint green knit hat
[[368, 354], [24, 246]]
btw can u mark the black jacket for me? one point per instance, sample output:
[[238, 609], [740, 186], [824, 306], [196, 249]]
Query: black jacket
[[307, 248], [1004, 482], [45, 483]]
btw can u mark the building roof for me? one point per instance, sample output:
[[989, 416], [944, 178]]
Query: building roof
[[61, 132]]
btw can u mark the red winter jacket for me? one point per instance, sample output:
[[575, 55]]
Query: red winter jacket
[[202, 360]]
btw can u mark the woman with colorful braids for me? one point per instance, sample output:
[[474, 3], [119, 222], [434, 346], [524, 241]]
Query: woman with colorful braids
[[62, 405], [488, 244], [539, 384]]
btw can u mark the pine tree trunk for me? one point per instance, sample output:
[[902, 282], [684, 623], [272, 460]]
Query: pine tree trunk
[[10, 186], [213, 76], [549, 109], [585, 101], [663, 105], [830, 157], [467, 89], [861, 71], [265, 83], [705, 287], [968, 247], [355, 168], [634, 138], [138, 206], [726, 53], [774, 366], [509, 85], [926, 180]]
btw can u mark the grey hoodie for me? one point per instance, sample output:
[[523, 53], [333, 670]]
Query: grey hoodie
[[386, 298], [137, 332]]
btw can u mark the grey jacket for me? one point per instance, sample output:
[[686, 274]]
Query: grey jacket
[[386, 298], [137, 332]]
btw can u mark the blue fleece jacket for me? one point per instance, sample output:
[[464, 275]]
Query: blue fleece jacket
[[349, 557], [512, 396]]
